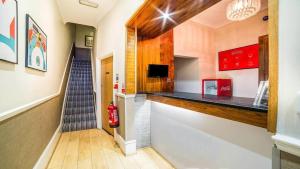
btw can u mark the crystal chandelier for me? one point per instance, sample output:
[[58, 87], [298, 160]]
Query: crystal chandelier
[[239, 10]]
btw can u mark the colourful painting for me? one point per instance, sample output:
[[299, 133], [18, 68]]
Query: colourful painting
[[36, 46], [8, 31]]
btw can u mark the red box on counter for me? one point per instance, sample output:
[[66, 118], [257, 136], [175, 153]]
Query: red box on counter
[[219, 87], [246, 57]]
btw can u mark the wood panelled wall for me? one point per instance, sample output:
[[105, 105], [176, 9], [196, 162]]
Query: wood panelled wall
[[263, 58], [167, 57], [130, 83], [155, 51]]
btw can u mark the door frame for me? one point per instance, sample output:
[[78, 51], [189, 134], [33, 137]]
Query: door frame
[[98, 86]]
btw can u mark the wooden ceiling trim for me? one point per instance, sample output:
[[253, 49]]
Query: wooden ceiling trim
[[149, 27], [131, 22]]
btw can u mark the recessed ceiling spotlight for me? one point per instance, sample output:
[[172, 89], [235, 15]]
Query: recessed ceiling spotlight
[[165, 16], [90, 3]]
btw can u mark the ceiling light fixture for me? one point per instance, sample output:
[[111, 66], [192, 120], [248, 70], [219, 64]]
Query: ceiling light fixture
[[165, 16], [239, 10], [90, 3]]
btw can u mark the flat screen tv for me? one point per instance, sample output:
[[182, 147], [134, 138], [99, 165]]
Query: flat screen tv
[[158, 71]]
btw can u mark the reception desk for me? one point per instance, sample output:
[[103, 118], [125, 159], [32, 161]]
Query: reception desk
[[233, 108]]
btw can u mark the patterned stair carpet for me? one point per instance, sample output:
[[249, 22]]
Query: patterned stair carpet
[[79, 106]]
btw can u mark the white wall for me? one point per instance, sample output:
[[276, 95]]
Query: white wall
[[193, 40], [239, 34], [74, 12], [187, 75], [81, 31], [191, 139], [189, 41], [111, 40], [289, 69], [20, 85], [111, 34]]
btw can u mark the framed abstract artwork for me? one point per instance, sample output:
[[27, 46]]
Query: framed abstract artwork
[[36, 46], [9, 31]]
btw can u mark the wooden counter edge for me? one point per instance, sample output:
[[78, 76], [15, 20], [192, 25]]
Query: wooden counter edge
[[255, 118]]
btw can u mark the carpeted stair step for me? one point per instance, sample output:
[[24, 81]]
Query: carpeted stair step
[[80, 91], [79, 126], [76, 104], [78, 110], [80, 88], [80, 98], [79, 117]]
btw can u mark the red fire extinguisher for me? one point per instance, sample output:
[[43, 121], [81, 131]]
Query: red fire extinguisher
[[113, 115]]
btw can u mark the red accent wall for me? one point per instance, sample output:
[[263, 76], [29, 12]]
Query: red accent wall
[[239, 58]]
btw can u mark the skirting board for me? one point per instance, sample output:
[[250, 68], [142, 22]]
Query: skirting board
[[127, 147], [47, 153]]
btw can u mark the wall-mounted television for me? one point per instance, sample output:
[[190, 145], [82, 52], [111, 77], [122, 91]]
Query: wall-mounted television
[[158, 71]]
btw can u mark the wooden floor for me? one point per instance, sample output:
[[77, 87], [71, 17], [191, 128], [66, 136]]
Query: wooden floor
[[95, 149]]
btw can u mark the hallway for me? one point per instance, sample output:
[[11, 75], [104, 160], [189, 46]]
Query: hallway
[[149, 84], [95, 149]]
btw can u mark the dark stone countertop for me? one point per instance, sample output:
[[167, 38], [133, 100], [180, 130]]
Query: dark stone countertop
[[236, 102]]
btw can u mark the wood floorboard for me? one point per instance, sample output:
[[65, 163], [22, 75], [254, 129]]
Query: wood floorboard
[[85, 154], [95, 149], [60, 152], [71, 157]]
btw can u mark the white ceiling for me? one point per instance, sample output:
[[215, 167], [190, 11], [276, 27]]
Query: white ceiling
[[215, 16], [73, 12]]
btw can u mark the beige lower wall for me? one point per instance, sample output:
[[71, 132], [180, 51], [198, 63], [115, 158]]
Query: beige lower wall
[[24, 137], [121, 108]]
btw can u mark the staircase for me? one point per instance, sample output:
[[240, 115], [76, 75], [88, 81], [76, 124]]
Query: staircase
[[79, 111]]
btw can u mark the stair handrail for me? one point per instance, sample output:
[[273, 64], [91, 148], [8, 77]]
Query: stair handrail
[[93, 83], [66, 94]]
